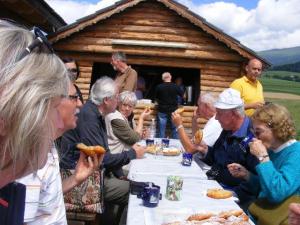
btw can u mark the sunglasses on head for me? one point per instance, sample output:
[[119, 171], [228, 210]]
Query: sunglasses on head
[[40, 41]]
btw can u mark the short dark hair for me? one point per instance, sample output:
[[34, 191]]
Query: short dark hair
[[70, 60]]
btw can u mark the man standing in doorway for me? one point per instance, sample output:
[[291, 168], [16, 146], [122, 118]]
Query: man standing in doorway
[[250, 88], [166, 97], [126, 78]]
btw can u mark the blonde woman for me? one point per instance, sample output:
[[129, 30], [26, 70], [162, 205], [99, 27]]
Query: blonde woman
[[33, 81]]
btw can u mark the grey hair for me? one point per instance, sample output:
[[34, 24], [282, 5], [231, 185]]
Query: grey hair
[[128, 97], [27, 89], [208, 98], [105, 87], [119, 56], [240, 110]]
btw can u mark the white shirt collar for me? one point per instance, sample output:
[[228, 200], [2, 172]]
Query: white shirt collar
[[285, 145]]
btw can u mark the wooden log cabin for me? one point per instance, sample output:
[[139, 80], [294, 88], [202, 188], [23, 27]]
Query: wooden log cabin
[[157, 36]]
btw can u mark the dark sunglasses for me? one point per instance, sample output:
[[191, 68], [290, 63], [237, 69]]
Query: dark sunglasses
[[40, 41]]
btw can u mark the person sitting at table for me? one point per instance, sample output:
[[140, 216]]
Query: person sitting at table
[[212, 129], [32, 82], [227, 149], [91, 130], [122, 132], [278, 153], [46, 184]]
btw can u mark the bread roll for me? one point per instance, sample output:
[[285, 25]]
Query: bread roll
[[198, 137], [90, 150]]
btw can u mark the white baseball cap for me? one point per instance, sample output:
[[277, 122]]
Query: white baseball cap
[[229, 99]]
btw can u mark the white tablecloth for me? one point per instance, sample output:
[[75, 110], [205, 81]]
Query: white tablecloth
[[193, 200], [156, 169]]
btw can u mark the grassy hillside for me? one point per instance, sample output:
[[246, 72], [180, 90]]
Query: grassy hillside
[[281, 56], [283, 86]]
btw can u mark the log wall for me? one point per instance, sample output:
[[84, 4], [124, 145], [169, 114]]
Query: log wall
[[152, 21]]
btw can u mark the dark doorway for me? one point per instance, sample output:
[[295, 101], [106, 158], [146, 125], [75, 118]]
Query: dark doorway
[[152, 77]]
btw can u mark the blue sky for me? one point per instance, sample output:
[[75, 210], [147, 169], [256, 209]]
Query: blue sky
[[258, 24]]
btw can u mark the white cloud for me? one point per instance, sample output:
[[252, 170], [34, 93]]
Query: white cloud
[[70, 10], [272, 24]]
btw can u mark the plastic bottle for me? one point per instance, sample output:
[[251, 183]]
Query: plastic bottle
[[152, 129]]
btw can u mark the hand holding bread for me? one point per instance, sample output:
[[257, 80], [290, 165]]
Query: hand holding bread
[[90, 150]]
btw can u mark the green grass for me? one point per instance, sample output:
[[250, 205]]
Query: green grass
[[294, 108], [282, 86], [279, 73]]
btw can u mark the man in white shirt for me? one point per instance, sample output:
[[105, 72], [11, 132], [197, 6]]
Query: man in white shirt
[[212, 129], [44, 189]]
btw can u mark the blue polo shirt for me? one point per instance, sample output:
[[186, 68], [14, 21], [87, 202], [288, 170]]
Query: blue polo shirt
[[227, 150]]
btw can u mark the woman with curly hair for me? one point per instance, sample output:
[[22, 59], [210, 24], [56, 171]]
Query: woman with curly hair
[[279, 154]]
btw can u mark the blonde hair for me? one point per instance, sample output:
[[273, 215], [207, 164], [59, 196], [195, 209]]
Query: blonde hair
[[278, 118], [27, 89]]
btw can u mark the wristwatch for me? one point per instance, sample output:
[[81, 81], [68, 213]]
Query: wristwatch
[[261, 158]]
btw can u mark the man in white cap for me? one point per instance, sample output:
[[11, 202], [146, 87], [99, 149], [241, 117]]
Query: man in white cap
[[227, 149]]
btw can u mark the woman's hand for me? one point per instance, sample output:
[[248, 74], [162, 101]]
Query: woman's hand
[[257, 148], [145, 113], [86, 166], [238, 171], [176, 119]]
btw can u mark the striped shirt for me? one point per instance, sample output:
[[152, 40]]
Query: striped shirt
[[44, 198]]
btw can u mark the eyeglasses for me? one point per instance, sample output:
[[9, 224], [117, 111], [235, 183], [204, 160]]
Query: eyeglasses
[[39, 41], [73, 97], [73, 70]]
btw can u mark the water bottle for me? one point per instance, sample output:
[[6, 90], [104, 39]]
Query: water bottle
[[152, 129]]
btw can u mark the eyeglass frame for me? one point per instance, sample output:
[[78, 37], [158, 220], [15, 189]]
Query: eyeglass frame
[[75, 97], [40, 40]]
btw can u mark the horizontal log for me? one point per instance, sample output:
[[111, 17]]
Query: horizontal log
[[151, 29], [155, 61], [150, 37], [87, 69], [83, 80], [222, 84], [217, 78], [83, 86], [85, 75], [82, 63], [212, 89], [149, 22], [192, 46], [152, 52]]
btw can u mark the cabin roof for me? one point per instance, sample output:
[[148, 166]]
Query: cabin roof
[[180, 9], [32, 13]]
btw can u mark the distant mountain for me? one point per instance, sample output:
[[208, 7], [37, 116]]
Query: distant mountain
[[293, 67], [281, 56]]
